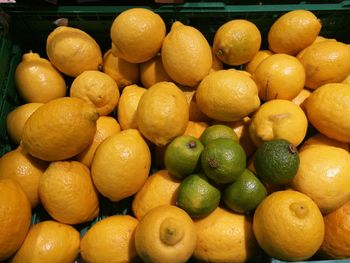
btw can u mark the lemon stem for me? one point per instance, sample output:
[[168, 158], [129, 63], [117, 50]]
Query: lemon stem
[[192, 144]]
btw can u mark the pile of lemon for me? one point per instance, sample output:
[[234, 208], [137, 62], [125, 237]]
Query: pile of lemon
[[238, 176]]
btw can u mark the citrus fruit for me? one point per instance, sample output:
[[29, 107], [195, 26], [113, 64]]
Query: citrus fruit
[[105, 127], [324, 175], [279, 76], [37, 80], [152, 71], [162, 113], [49, 241], [127, 150], [293, 31], [165, 234], [244, 195], [320, 139], [182, 156], [223, 160], [26, 170], [217, 131], [288, 226], [278, 119], [227, 95], [159, 189], [60, 129], [137, 35], [195, 113], [72, 51], [195, 129], [337, 228], [67, 192], [327, 110], [186, 55], [15, 216], [276, 161], [216, 62], [317, 40], [256, 60], [97, 88], [224, 236], [17, 118], [346, 80], [123, 72], [236, 42], [127, 106], [110, 240], [301, 99], [197, 196]]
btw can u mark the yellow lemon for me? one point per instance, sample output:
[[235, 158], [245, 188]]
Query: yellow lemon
[[317, 40], [137, 35], [26, 170], [279, 76], [123, 72], [347, 80], [256, 60], [195, 129], [186, 55], [98, 89], [324, 175], [37, 80], [159, 189], [152, 72], [110, 240], [105, 127], [67, 192], [301, 98], [162, 113], [121, 165], [127, 106], [17, 118], [49, 241], [15, 216], [328, 110], [72, 51], [278, 119], [236, 42], [165, 234], [288, 225], [224, 236], [60, 129], [216, 62], [320, 139], [227, 95], [195, 113], [293, 31]]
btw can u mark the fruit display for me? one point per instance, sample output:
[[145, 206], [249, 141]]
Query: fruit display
[[171, 146]]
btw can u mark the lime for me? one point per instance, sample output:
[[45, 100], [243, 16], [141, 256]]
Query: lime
[[276, 162], [244, 195], [223, 160], [217, 131], [182, 156], [197, 196]]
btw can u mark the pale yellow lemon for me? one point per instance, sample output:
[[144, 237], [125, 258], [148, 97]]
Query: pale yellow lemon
[[320, 139]]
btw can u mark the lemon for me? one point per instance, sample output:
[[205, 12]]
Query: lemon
[[293, 31], [320, 139], [26, 170], [110, 240], [128, 151], [15, 216], [186, 55], [227, 95], [37, 80], [217, 131], [278, 119], [165, 234], [152, 72], [301, 98], [72, 51], [216, 62], [195, 114], [49, 241], [60, 129], [98, 89], [236, 42], [68, 194], [196, 129], [17, 118], [288, 226], [159, 189], [137, 35], [162, 113], [256, 60]]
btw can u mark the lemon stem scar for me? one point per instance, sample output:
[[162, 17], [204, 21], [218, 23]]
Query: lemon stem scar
[[292, 148], [299, 209], [192, 144], [171, 231], [213, 163], [220, 53]]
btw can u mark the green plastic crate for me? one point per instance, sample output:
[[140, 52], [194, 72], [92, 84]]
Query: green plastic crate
[[29, 26]]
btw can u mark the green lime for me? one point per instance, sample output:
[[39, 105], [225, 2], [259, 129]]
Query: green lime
[[223, 160], [197, 196], [217, 131], [276, 162], [182, 156], [244, 195]]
